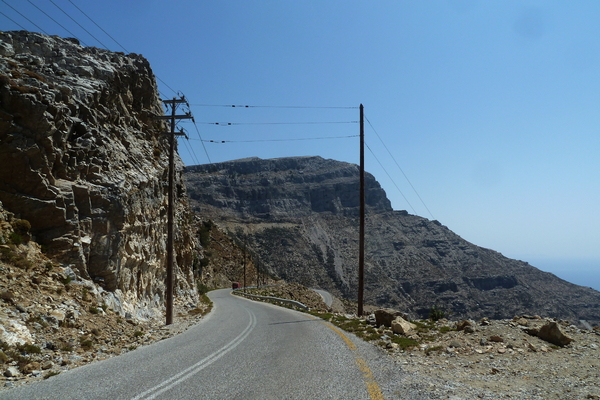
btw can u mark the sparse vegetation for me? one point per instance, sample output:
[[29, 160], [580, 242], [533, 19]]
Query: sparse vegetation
[[21, 226], [435, 313], [7, 295], [15, 238], [86, 343], [28, 348], [204, 233], [93, 310], [202, 288], [50, 374], [34, 75], [433, 349], [66, 347]]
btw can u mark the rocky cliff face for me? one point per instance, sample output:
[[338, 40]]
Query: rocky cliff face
[[300, 215], [82, 158]]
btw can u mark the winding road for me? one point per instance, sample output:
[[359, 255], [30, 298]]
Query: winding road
[[241, 350]]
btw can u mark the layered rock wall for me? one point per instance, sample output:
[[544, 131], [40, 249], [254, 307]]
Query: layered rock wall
[[84, 160]]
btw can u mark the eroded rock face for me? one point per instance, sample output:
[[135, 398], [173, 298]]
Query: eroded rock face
[[82, 158]]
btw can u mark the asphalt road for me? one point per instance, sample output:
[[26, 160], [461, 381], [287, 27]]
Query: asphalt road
[[327, 297], [241, 350]]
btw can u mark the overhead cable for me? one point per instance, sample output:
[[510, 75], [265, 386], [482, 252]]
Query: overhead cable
[[17, 11], [13, 21], [118, 43], [55, 21], [384, 170], [107, 34], [205, 151], [250, 106], [81, 26], [278, 140], [401, 170], [275, 123]]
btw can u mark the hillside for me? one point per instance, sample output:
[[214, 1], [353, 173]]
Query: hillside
[[300, 216]]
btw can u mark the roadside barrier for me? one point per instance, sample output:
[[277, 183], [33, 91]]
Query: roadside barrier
[[273, 299]]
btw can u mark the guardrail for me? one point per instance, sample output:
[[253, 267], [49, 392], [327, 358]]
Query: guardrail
[[275, 299]]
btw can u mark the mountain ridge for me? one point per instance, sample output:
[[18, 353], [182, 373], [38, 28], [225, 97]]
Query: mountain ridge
[[300, 216]]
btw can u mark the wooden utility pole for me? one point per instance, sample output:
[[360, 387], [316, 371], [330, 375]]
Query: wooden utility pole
[[244, 254], [171, 206], [361, 240]]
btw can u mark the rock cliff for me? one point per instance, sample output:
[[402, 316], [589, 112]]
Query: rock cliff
[[82, 158], [300, 215]]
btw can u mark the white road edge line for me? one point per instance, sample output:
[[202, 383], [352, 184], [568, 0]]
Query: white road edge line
[[194, 369]]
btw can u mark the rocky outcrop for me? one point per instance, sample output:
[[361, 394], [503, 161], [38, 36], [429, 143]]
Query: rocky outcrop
[[300, 216], [82, 158]]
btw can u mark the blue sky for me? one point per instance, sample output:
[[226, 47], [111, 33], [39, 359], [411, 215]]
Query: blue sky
[[491, 108]]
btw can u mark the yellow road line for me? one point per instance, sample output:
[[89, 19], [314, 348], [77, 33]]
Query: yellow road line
[[372, 386]]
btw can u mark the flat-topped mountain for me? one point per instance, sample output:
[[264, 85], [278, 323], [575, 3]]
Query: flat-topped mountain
[[299, 216]]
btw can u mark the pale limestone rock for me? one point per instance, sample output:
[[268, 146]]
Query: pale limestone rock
[[13, 332], [402, 327]]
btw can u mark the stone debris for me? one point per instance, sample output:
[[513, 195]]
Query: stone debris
[[500, 359], [551, 333], [402, 327]]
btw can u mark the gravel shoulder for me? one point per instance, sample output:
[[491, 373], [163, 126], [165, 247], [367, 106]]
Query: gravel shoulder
[[499, 360]]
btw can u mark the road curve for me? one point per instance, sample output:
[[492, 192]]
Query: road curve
[[327, 297], [242, 350]]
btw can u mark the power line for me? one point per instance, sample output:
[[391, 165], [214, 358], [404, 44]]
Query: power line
[[278, 140], [71, 33], [191, 151], [401, 170], [163, 82], [205, 151], [118, 43], [107, 34], [275, 123], [13, 21], [384, 170], [25, 18], [81, 26], [68, 31], [249, 106]]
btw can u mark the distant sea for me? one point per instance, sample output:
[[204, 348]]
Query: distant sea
[[584, 273]]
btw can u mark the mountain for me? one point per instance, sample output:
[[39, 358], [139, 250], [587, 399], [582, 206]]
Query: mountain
[[299, 215], [84, 161]]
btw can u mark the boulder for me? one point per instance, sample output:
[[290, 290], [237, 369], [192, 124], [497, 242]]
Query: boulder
[[402, 327], [11, 372], [462, 325], [385, 316], [32, 366], [551, 333]]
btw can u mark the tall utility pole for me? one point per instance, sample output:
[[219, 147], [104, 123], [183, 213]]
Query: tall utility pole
[[244, 254], [361, 240], [171, 198]]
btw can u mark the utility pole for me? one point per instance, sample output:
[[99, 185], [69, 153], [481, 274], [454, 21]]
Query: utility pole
[[171, 198], [361, 240], [244, 256]]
